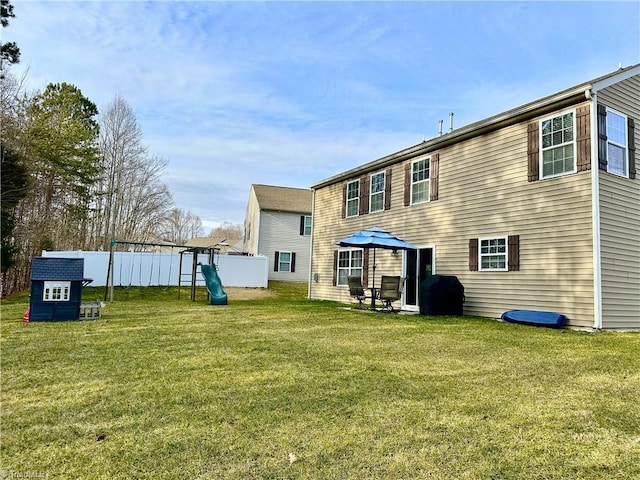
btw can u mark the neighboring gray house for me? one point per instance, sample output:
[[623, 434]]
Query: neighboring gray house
[[277, 224]]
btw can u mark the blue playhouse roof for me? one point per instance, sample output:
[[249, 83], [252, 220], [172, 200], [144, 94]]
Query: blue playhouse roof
[[51, 268]]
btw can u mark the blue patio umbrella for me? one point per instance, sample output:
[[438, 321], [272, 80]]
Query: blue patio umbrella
[[375, 237]]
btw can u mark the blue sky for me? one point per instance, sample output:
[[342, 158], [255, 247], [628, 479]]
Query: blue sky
[[290, 93]]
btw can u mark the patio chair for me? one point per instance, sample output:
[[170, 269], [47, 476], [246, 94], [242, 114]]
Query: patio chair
[[390, 291], [356, 290]]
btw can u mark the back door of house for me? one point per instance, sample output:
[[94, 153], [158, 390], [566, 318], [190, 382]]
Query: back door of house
[[418, 265]]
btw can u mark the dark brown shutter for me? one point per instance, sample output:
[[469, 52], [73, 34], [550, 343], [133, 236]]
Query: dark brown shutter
[[407, 184], [434, 171], [344, 200], [631, 138], [387, 189], [301, 224], [602, 137], [514, 253], [533, 152], [473, 254], [335, 268], [583, 138], [364, 195], [293, 262], [275, 262], [365, 267]]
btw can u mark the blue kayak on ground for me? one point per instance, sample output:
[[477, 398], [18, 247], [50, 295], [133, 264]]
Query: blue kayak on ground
[[535, 317]]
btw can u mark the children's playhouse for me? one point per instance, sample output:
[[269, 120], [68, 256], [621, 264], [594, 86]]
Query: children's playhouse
[[56, 290]]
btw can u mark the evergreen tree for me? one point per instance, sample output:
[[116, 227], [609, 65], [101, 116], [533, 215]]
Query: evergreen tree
[[13, 176], [9, 51]]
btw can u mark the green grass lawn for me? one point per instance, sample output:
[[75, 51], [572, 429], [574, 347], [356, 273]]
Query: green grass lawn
[[286, 388]]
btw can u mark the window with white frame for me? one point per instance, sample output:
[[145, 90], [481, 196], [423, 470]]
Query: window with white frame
[[284, 262], [353, 198], [376, 197], [616, 143], [307, 226], [349, 265], [558, 145], [56, 291], [420, 182], [493, 253]]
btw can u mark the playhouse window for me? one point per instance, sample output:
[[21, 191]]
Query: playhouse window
[[56, 291]]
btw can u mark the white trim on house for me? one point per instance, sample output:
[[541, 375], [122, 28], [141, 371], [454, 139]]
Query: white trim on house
[[595, 213]]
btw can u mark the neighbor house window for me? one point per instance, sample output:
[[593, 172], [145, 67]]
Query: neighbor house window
[[305, 225], [376, 197], [349, 265], [420, 181], [284, 262], [493, 253], [56, 291], [353, 198], [617, 143], [558, 145]]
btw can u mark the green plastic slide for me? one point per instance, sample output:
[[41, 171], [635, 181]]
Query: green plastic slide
[[217, 294]]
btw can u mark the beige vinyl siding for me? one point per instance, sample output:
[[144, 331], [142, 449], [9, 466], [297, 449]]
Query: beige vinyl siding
[[620, 223], [483, 191]]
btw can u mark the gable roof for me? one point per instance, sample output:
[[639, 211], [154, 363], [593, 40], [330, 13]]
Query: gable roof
[[217, 242], [562, 99], [283, 199]]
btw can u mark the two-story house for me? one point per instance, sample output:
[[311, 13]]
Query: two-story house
[[277, 224], [534, 208]]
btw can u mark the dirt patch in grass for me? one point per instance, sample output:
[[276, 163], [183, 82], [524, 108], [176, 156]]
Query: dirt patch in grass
[[240, 293]]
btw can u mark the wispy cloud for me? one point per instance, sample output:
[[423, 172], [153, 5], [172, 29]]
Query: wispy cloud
[[289, 93]]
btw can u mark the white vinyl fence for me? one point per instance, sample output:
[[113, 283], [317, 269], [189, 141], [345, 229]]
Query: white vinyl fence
[[160, 269]]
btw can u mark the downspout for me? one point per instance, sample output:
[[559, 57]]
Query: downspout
[[313, 224], [595, 212]]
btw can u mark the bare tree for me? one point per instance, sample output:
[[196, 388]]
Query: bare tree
[[231, 231], [130, 200], [180, 226]]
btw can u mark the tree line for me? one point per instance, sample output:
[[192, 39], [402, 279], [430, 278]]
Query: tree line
[[73, 178]]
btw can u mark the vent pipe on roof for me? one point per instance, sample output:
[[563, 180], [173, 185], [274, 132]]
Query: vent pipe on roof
[[440, 122], [451, 122]]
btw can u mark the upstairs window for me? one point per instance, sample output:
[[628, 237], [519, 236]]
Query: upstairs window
[[617, 143], [420, 181], [353, 198], [558, 145], [376, 197], [305, 225]]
